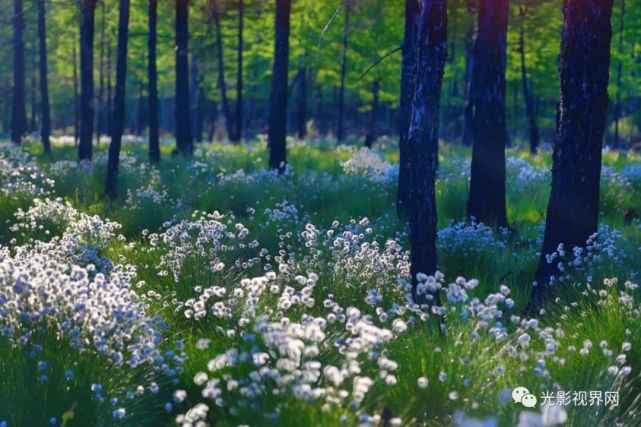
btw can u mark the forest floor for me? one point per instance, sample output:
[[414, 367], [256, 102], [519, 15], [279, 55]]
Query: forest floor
[[213, 289]]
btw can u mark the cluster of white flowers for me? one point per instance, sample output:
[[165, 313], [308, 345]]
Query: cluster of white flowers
[[467, 239], [523, 176], [370, 165], [19, 174]]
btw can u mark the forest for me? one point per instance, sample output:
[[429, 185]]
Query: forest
[[320, 213]]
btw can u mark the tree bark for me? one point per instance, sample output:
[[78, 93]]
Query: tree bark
[[152, 76], [238, 131], [87, 29], [373, 118], [341, 89], [100, 116], [118, 115], [184, 140], [617, 107], [486, 201], [18, 109], [527, 91], [584, 61], [109, 98], [408, 82], [45, 132], [277, 133], [431, 53], [76, 98]]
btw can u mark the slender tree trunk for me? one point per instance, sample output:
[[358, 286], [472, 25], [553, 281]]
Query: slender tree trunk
[[431, 53], [573, 209], [238, 132], [76, 97], [486, 201], [277, 134], [617, 107], [301, 113], [45, 132], [87, 29], [341, 89], [118, 115], [408, 82], [100, 116], [371, 134], [152, 76], [18, 110], [34, 98], [184, 140], [109, 98], [527, 91], [140, 119], [468, 128], [222, 85]]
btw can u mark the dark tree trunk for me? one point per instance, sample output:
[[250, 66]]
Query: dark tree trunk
[[118, 115], [431, 53], [277, 133], [152, 76], [140, 119], [87, 29], [373, 117], [301, 113], [486, 201], [45, 131], [468, 120], [100, 116], [34, 100], [18, 109], [527, 91], [341, 89], [76, 98], [222, 85], [617, 107], [408, 82], [109, 98], [238, 131], [584, 61], [184, 140]]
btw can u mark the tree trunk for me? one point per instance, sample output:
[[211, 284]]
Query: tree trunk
[[118, 115], [152, 75], [527, 91], [184, 140], [87, 29], [301, 113], [617, 107], [76, 98], [341, 89], [431, 53], [373, 118], [140, 119], [34, 100], [100, 116], [573, 209], [18, 110], [222, 85], [468, 128], [408, 70], [45, 131], [486, 201], [238, 131], [109, 98], [277, 133]]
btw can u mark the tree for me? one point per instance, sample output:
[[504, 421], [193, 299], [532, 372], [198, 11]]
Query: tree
[[184, 140], [277, 133], [408, 69], [118, 115], [573, 209], [238, 131], [431, 53], [527, 90], [87, 29], [18, 110], [468, 112], [341, 88], [486, 201], [222, 85], [371, 133], [152, 76], [45, 132], [617, 105]]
